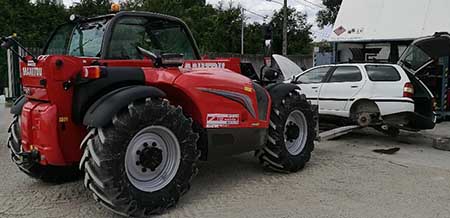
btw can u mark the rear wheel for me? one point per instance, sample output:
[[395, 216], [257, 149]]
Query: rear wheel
[[365, 113], [291, 135], [46, 173], [143, 161]]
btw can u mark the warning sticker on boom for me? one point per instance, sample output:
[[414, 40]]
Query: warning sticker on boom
[[221, 120]]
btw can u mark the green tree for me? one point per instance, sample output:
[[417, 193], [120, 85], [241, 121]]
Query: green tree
[[91, 8], [32, 22], [328, 16], [298, 31], [254, 40]]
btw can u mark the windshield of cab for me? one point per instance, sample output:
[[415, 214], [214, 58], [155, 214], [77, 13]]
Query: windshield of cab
[[152, 34], [82, 39], [129, 35]]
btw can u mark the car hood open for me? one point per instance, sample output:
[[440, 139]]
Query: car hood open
[[423, 51], [287, 67]]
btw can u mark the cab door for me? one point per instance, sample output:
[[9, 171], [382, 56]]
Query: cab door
[[342, 85], [311, 81]]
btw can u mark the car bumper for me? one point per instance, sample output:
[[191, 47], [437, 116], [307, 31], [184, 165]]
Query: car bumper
[[411, 121]]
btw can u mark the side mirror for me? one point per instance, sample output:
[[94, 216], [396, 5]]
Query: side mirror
[[295, 81], [7, 42], [146, 53]]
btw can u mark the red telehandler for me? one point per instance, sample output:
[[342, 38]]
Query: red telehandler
[[127, 99]]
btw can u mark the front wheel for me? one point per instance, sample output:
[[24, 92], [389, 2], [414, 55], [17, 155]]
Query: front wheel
[[291, 135], [143, 161]]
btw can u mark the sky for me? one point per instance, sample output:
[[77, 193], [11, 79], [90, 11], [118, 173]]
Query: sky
[[267, 7]]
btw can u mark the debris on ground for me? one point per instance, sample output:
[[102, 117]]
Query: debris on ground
[[386, 151], [442, 144]]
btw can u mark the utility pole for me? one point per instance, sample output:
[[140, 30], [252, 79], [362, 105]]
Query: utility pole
[[242, 30], [285, 28]]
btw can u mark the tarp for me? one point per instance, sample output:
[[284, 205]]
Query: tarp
[[390, 20]]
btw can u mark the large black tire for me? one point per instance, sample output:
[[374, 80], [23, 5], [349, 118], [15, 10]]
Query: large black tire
[[275, 155], [47, 173], [105, 155]]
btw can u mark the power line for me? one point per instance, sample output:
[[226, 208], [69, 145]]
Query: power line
[[315, 4], [256, 14], [275, 1], [306, 5]]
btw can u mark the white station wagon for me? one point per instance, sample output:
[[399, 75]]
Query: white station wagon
[[383, 96]]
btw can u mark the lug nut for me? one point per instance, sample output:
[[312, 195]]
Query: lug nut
[[138, 163], [154, 144], [138, 152], [144, 170], [145, 144]]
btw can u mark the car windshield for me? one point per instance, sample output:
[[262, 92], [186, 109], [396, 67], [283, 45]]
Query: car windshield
[[82, 39], [414, 58]]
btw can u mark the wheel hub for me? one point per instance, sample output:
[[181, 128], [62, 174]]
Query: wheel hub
[[292, 131], [150, 157], [296, 132], [364, 119]]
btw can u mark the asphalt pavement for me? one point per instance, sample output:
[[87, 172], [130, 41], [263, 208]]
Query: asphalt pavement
[[345, 178]]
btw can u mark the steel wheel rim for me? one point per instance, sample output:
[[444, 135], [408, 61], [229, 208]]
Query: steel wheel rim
[[295, 146], [152, 137]]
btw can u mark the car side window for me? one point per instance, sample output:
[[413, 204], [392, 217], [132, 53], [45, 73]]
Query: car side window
[[382, 73], [346, 74], [314, 76]]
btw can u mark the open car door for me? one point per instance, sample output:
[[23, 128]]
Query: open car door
[[424, 51]]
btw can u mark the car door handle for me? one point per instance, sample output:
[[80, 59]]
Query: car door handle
[[354, 87], [315, 87]]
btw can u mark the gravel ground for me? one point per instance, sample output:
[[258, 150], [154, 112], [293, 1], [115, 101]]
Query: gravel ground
[[344, 179]]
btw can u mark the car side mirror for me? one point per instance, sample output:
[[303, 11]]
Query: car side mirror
[[296, 81]]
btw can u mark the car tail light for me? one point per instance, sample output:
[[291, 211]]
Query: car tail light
[[408, 90], [92, 72]]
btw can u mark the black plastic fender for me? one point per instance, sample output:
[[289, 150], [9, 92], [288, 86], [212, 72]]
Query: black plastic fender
[[16, 108], [102, 111], [278, 91]]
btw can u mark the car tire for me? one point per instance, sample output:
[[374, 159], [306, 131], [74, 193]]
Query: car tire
[[143, 161], [291, 135]]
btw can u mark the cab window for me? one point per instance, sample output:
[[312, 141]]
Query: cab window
[[155, 35]]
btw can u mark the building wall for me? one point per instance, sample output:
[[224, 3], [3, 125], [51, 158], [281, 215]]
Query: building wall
[[345, 55]]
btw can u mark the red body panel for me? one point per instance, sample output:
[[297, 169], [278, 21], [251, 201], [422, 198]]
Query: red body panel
[[47, 123], [184, 88]]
